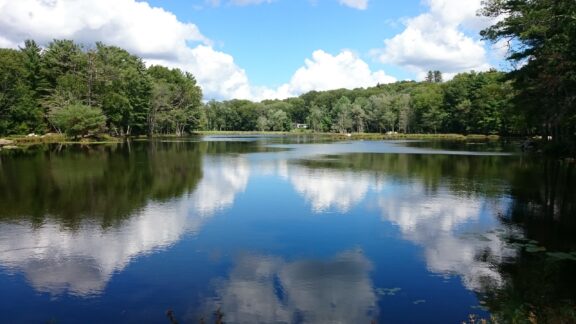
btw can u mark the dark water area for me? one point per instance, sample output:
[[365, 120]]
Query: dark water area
[[286, 230]]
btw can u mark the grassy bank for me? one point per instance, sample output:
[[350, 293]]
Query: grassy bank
[[103, 138], [364, 136], [22, 140]]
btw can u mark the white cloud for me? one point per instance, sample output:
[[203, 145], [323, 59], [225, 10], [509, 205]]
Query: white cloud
[[160, 38], [436, 40], [136, 26], [152, 33], [356, 4], [325, 71]]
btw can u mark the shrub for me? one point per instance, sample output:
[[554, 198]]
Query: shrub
[[78, 120]]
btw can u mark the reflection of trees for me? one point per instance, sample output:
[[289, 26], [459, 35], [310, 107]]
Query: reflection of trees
[[461, 173], [542, 205], [545, 202], [434, 196], [270, 290], [103, 182], [540, 286], [81, 261]]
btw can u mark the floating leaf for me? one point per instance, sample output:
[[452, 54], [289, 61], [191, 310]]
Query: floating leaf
[[419, 301]]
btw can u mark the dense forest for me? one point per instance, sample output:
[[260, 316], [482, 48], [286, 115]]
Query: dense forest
[[66, 87]]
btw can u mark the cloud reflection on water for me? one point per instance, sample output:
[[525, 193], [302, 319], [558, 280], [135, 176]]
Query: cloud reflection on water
[[262, 289], [81, 261]]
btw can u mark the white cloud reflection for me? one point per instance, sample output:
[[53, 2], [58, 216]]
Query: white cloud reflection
[[436, 225], [81, 261], [270, 290], [434, 221]]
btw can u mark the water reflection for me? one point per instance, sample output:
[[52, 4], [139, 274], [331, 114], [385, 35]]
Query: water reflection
[[81, 261], [263, 289], [71, 219], [431, 205], [329, 189], [448, 228], [75, 250], [223, 178]]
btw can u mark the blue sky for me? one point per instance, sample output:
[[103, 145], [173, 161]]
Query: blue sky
[[259, 49], [272, 40]]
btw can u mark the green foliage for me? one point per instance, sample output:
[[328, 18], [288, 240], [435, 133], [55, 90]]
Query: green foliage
[[39, 86], [19, 111], [175, 103], [158, 100], [542, 35], [78, 120]]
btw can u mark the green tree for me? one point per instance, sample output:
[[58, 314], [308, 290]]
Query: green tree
[[317, 119], [342, 115], [427, 101], [542, 34], [19, 110], [78, 120], [176, 105], [279, 121]]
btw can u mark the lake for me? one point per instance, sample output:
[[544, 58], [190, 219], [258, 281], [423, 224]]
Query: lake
[[285, 230]]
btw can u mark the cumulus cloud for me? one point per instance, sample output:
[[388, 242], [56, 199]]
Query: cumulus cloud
[[160, 38], [136, 26], [150, 32], [356, 4], [325, 71], [437, 40]]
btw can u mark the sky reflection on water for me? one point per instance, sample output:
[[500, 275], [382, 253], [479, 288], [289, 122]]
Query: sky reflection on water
[[280, 236]]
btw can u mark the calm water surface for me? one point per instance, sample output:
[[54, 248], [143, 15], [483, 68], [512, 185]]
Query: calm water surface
[[284, 230]]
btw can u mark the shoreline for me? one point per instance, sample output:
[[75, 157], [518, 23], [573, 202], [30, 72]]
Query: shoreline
[[14, 141]]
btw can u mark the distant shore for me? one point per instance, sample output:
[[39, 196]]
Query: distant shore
[[25, 140]]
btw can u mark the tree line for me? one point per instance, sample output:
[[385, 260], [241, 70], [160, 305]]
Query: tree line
[[79, 91], [70, 89], [469, 103]]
